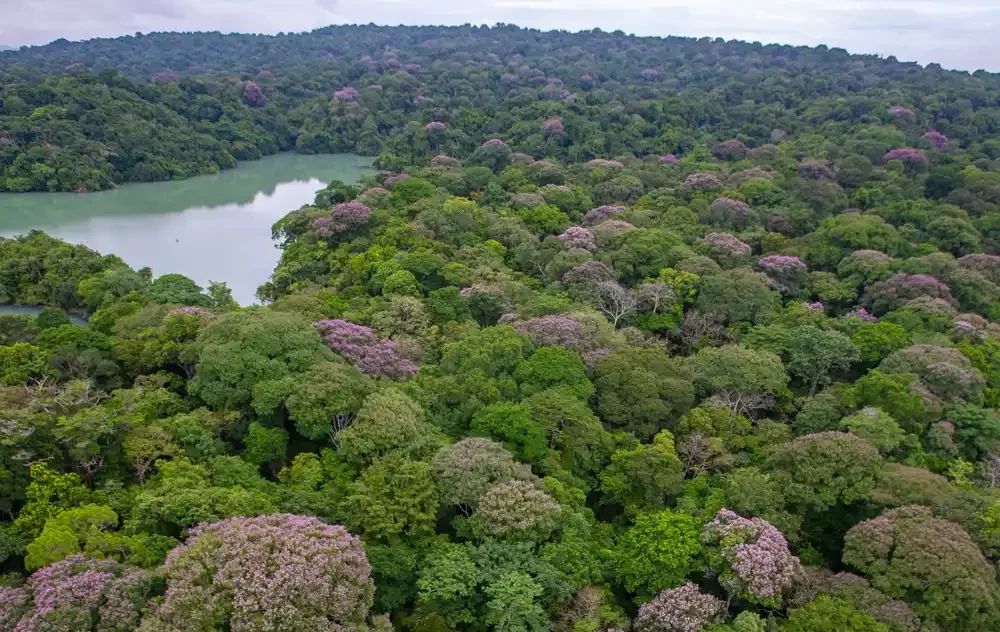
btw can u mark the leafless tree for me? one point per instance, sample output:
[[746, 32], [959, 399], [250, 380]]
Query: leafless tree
[[615, 301], [656, 296]]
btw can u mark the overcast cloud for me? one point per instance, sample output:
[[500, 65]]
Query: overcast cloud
[[955, 33]]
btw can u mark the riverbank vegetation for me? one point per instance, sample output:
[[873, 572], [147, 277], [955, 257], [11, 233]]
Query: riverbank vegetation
[[663, 364]]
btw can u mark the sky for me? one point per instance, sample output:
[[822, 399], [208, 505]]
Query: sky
[[957, 34]]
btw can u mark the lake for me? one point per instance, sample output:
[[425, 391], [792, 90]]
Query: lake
[[209, 228]]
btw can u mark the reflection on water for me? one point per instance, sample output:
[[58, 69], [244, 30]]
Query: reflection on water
[[210, 228]]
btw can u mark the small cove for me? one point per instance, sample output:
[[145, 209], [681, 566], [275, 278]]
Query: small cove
[[209, 228]]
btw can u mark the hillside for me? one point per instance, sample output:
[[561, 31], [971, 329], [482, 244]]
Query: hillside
[[625, 334]]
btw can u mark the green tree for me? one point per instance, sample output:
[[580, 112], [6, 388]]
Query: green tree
[[814, 353], [657, 552]]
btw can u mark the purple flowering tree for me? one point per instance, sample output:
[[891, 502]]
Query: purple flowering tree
[[897, 290], [467, 470], [912, 159], [702, 181], [787, 274], [435, 127], [516, 508], [601, 163], [587, 274], [346, 94], [602, 213], [727, 213], [681, 609], [753, 558], [862, 314], [165, 76], [669, 159], [725, 249], [357, 343], [77, 594], [552, 126], [578, 238], [253, 95], [936, 139], [732, 150], [277, 572], [902, 113]]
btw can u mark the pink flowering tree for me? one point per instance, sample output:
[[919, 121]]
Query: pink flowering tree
[[732, 150], [466, 471], [556, 331], [253, 95], [681, 609], [900, 288], [787, 274], [435, 127], [936, 139], [277, 572], [602, 213], [903, 113], [346, 94], [752, 558], [516, 509], [912, 159], [357, 343], [552, 126], [727, 213], [669, 159], [725, 249], [702, 182], [346, 218], [77, 594], [578, 238], [601, 163]]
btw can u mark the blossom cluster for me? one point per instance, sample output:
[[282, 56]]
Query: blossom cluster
[[732, 149], [725, 244], [601, 163], [910, 157], [669, 159], [76, 594], [552, 126], [253, 95], [787, 273], [435, 127], [344, 217], [702, 181], [578, 238], [936, 139], [902, 113], [276, 572], [516, 506], [553, 331], [601, 213], [357, 343], [760, 565], [346, 94], [862, 314], [191, 310], [681, 609]]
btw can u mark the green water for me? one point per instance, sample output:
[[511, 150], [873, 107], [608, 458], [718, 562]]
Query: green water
[[209, 228]]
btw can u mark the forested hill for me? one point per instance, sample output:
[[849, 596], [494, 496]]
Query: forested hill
[[87, 115]]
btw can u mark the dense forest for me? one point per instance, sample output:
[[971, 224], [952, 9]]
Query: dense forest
[[658, 335]]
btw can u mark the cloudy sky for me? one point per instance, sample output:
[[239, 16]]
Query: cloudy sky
[[955, 33]]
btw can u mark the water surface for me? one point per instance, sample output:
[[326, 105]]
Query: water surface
[[209, 228]]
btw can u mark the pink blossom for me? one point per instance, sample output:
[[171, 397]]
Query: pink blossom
[[277, 572], [861, 314], [601, 163], [346, 94], [681, 609], [759, 563], [435, 127], [601, 213], [732, 149], [552, 126], [936, 139], [910, 157], [702, 181], [357, 343], [253, 95], [902, 113], [815, 306], [578, 237], [669, 159]]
